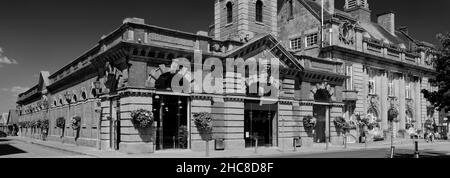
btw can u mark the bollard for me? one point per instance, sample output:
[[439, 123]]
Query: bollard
[[174, 144], [365, 143], [256, 145], [345, 141], [207, 148], [416, 153], [295, 144], [392, 152]]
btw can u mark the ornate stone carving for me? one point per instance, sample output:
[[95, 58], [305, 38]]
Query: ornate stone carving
[[115, 78], [324, 86], [347, 32], [373, 105]]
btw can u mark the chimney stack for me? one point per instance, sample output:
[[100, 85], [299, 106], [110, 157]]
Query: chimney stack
[[134, 20], [387, 21]]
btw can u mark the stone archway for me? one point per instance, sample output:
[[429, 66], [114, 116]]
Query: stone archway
[[322, 92]]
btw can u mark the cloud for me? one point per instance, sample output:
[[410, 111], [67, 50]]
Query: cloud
[[5, 59], [16, 90]]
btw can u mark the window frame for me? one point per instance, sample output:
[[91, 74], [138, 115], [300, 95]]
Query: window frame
[[408, 92], [372, 82], [297, 41], [229, 7], [259, 9], [349, 82], [315, 40], [391, 85]]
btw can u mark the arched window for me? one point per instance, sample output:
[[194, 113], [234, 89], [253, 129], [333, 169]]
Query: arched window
[[229, 12], [83, 95], [259, 11]]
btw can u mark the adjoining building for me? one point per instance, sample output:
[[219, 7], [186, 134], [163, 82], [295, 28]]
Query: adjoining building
[[350, 66]]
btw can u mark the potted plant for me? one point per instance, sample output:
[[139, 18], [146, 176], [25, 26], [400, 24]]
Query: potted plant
[[142, 118], [183, 137]]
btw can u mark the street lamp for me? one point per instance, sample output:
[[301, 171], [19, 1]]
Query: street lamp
[[97, 89], [68, 97]]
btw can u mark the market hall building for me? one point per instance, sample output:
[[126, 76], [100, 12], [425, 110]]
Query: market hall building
[[352, 66]]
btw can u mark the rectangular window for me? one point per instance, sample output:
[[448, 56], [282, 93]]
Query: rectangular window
[[391, 84], [408, 88], [311, 40], [349, 81], [130, 35], [372, 85], [296, 44]]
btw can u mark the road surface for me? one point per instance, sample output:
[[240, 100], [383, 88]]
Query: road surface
[[17, 149]]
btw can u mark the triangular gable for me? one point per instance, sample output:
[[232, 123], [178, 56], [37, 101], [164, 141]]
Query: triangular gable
[[43, 80], [275, 47]]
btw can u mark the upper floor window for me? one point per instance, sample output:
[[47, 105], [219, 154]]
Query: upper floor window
[[372, 85], [131, 35], [296, 43], [259, 11], [229, 12], [349, 81], [390, 84], [311, 40], [408, 88]]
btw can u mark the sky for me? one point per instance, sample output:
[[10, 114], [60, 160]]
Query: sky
[[45, 35]]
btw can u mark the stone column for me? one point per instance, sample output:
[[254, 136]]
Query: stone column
[[402, 102], [417, 103], [135, 140], [200, 104]]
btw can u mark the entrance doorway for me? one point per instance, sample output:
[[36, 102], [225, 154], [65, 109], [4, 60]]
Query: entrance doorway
[[260, 123], [171, 117], [320, 113]]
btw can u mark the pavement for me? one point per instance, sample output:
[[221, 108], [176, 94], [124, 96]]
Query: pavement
[[246, 153]]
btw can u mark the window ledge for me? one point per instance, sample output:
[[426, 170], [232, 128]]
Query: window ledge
[[229, 24], [312, 47], [260, 23]]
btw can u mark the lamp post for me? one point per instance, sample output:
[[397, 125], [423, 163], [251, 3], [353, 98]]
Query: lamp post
[[68, 98], [97, 89]]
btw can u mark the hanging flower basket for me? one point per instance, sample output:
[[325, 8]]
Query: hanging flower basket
[[393, 114], [142, 118], [342, 124], [309, 122], [203, 121], [38, 124], [75, 122], [45, 125], [60, 122], [32, 124]]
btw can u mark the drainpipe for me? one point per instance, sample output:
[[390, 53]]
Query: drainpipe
[[99, 125]]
